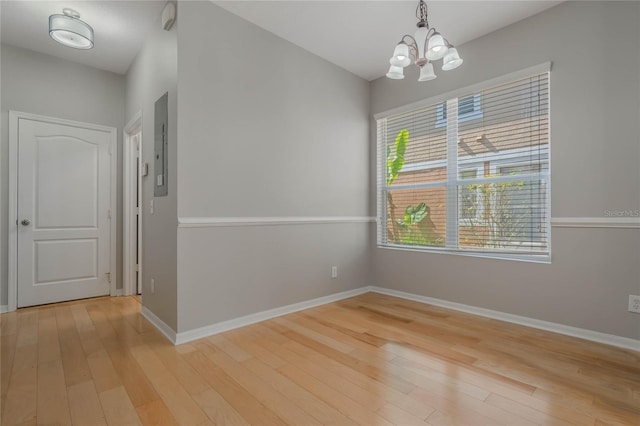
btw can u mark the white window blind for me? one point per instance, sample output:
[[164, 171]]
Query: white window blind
[[468, 183]]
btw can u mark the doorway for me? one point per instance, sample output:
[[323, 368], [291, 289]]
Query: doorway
[[134, 171], [62, 210]]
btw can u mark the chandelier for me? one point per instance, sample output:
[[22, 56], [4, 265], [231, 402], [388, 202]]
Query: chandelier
[[424, 47]]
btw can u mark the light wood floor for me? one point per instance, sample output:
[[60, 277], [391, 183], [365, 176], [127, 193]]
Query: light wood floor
[[368, 360]]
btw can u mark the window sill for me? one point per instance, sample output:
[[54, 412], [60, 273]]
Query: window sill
[[542, 258]]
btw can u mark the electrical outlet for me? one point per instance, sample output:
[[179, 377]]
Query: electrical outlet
[[634, 304], [153, 285], [334, 272]]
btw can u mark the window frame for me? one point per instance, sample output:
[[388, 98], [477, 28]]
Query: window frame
[[453, 182]]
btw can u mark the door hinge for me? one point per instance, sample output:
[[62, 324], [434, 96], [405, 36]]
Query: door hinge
[[138, 211], [109, 213], [137, 267], [108, 274]]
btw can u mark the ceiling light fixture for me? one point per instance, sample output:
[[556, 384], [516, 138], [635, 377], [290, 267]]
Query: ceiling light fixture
[[69, 30], [424, 47]]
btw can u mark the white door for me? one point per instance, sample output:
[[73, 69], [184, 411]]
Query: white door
[[63, 212]]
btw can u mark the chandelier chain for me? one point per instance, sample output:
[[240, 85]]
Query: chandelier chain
[[422, 13]]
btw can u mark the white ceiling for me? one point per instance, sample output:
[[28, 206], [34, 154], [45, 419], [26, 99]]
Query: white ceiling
[[120, 28], [360, 35], [356, 35]]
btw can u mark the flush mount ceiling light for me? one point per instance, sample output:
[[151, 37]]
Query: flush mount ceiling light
[[69, 30], [424, 47]]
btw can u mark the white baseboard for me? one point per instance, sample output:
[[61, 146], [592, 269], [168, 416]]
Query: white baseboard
[[595, 336], [159, 324], [4, 308], [209, 330], [119, 292]]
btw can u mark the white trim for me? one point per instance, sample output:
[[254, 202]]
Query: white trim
[[167, 331], [14, 118], [113, 220], [208, 222], [595, 336], [595, 222], [129, 171], [209, 330], [12, 266], [199, 333], [120, 292], [544, 257], [4, 309], [451, 193], [513, 76], [520, 154]]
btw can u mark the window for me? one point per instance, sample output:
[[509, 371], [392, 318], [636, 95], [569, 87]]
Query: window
[[470, 206], [475, 185], [468, 109]]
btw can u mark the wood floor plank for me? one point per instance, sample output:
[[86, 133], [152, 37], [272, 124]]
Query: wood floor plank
[[84, 404], [178, 400], [296, 394], [246, 340], [218, 409], [230, 348], [262, 391], [156, 413], [130, 373], [20, 404], [468, 373], [398, 416], [76, 368], [371, 359], [366, 384], [104, 375], [238, 397], [525, 411], [375, 371], [176, 365], [320, 367], [7, 353], [118, 408], [356, 412], [53, 404], [48, 340]]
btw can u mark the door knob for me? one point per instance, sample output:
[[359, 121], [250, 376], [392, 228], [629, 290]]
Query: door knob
[[25, 222]]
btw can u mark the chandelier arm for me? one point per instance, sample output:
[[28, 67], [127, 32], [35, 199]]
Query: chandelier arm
[[412, 44]]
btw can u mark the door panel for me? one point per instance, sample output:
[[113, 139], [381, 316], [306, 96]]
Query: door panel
[[67, 199], [51, 263], [63, 212]]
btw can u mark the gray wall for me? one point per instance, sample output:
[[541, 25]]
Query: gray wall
[[266, 129], [41, 84], [595, 166], [153, 73]]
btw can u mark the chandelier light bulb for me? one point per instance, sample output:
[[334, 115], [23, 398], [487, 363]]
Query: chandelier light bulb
[[400, 56], [426, 72], [395, 73], [436, 48], [451, 60]]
